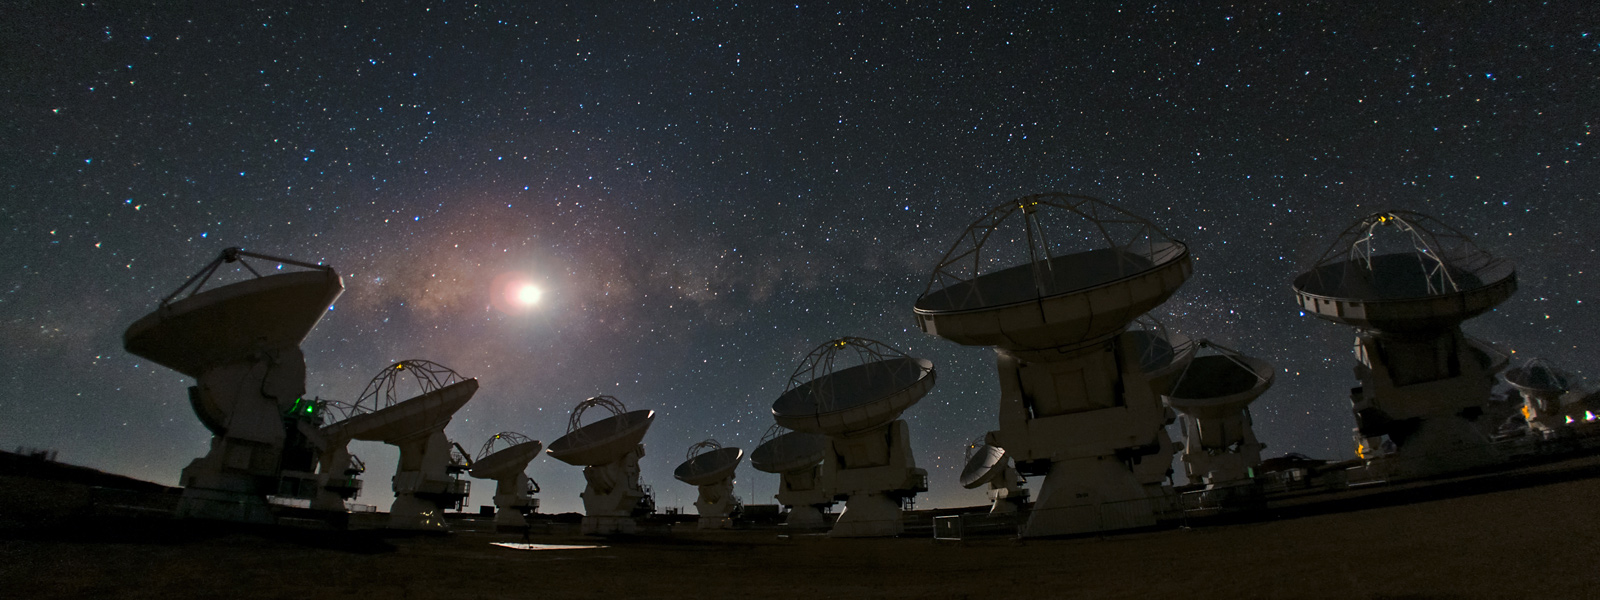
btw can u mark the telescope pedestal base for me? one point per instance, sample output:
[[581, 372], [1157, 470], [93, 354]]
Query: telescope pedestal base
[[224, 505], [714, 523], [1087, 495], [809, 517], [607, 525], [869, 515], [413, 513], [1439, 446]]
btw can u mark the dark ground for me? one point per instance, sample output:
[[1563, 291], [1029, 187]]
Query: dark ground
[[1536, 542]]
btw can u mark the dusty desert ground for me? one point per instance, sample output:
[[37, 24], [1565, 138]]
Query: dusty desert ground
[[1536, 542]]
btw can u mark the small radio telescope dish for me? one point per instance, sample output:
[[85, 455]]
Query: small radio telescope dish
[[709, 466], [609, 451], [988, 465], [504, 457], [1406, 282], [984, 463], [1541, 385], [853, 390], [241, 343], [1052, 281], [408, 404], [1212, 393], [796, 456]]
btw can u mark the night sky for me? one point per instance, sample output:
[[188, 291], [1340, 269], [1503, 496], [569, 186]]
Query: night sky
[[707, 191]]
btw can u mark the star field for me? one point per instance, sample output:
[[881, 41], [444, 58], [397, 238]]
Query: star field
[[707, 191]]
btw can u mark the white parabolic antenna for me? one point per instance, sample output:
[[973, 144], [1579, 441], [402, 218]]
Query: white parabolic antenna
[[988, 465], [1406, 282], [1541, 385], [241, 343], [388, 412], [858, 398], [789, 451], [1212, 393], [603, 441], [227, 324], [609, 450], [1538, 376], [796, 456], [984, 463], [712, 464], [709, 467], [504, 458], [495, 462], [1219, 385], [1052, 281], [853, 389]]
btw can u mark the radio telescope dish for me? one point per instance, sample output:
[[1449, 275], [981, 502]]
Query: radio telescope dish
[[710, 467], [383, 413], [1538, 376], [1219, 385], [984, 463], [423, 484], [1052, 281], [241, 343], [505, 453], [853, 390], [828, 395], [988, 465], [1406, 282], [1039, 291], [1432, 278], [504, 458], [201, 330], [1163, 354], [1541, 385], [609, 451], [796, 456], [788, 450], [707, 463], [1213, 393], [602, 441]]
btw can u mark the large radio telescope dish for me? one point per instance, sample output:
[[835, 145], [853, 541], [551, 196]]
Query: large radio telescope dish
[[782, 450], [708, 462], [505, 453], [1049, 270], [195, 329], [391, 409], [604, 441], [1400, 271], [388, 387], [1538, 376], [850, 385], [1220, 385], [982, 464]]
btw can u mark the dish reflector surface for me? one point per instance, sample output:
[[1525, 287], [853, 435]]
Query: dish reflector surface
[[709, 467], [604, 441], [983, 466], [826, 401], [790, 451]]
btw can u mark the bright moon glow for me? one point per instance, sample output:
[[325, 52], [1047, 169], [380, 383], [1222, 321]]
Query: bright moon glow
[[528, 295]]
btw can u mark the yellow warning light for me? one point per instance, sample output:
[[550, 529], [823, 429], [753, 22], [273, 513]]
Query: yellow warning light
[[398, 367]]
